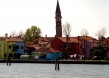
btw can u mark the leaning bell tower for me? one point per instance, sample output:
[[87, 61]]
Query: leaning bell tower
[[58, 20]]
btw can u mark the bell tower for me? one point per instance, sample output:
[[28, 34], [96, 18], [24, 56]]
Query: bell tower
[[58, 20]]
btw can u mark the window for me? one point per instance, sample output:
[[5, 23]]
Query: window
[[17, 47], [22, 47], [60, 45], [65, 46], [74, 50], [10, 46]]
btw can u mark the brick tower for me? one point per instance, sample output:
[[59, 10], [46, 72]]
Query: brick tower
[[58, 20]]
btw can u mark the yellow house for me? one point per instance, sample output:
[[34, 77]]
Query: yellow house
[[7, 46], [2, 49]]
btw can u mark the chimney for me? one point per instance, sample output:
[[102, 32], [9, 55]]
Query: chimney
[[55, 35], [46, 36]]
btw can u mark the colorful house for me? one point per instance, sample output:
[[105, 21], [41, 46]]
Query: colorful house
[[73, 46], [53, 56], [9, 46], [20, 47], [2, 49], [87, 43], [105, 43]]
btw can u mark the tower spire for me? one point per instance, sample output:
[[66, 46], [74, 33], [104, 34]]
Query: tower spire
[[58, 11], [58, 20]]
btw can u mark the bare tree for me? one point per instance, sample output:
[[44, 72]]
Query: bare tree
[[21, 34], [101, 35], [66, 32], [84, 34], [67, 29], [13, 34]]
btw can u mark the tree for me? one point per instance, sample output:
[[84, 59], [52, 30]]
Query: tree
[[101, 35], [13, 34], [67, 29], [21, 34], [84, 34], [6, 34], [32, 33], [98, 51], [66, 32], [27, 36], [35, 32]]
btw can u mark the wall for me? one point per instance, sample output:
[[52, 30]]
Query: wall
[[2, 49], [60, 46], [9, 50], [21, 47]]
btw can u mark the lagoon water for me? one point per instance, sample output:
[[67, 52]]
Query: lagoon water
[[34, 70]]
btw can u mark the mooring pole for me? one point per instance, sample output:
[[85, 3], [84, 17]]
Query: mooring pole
[[9, 60], [57, 64]]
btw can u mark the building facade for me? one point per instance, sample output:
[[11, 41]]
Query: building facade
[[9, 46], [70, 48]]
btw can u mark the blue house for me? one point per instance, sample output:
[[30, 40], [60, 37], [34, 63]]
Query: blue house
[[53, 56], [19, 47]]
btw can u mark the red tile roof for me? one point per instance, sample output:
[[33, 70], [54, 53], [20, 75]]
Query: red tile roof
[[71, 39], [13, 39], [89, 38]]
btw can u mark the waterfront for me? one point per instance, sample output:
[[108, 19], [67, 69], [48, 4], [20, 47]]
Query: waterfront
[[34, 70]]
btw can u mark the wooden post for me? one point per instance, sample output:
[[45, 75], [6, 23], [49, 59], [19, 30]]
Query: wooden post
[[57, 64], [9, 60]]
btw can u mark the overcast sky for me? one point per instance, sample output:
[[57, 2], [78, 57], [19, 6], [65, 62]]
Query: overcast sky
[[18, 15]]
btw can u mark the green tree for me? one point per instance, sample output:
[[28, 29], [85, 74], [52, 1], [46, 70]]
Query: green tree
[[6, 34], [27, 36], [35, 32], [32, 33], [98, 51]]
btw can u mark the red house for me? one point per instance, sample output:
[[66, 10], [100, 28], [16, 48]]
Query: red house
[[69, 47]]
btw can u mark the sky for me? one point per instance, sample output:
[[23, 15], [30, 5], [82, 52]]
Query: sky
[[18, 15]]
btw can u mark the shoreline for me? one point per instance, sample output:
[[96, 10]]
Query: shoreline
[[60, 61]]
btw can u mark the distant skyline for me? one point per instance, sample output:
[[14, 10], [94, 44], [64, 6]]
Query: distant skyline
[[18, 15]]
